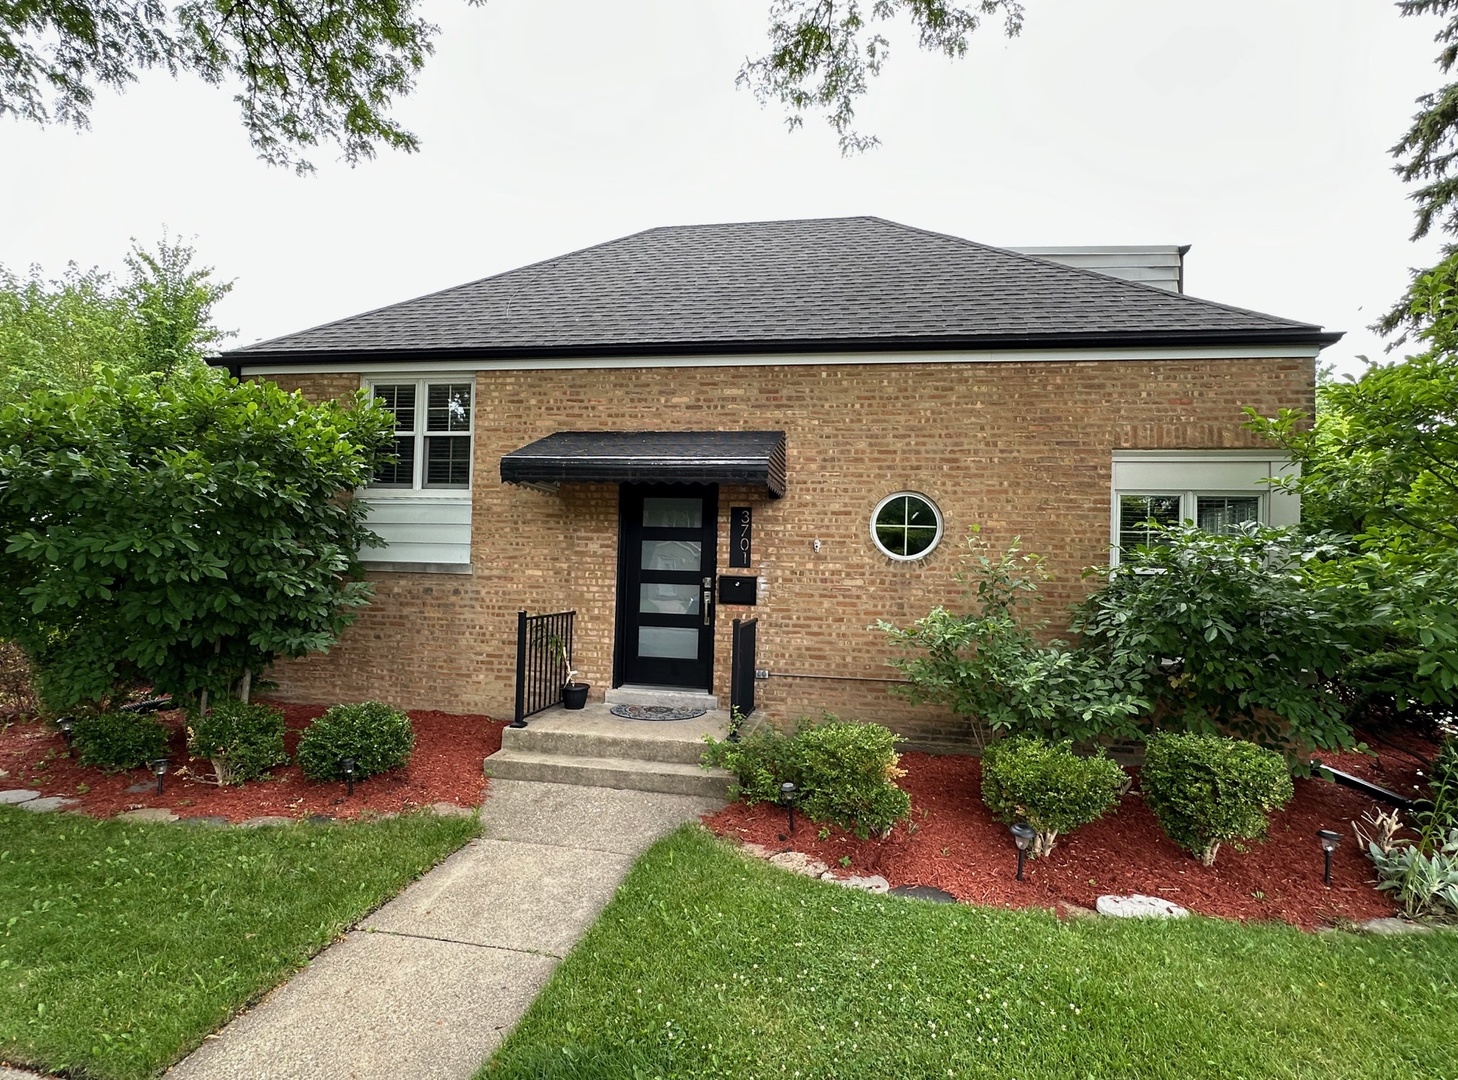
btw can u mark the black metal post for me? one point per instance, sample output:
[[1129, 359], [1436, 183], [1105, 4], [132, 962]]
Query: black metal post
[[521, 645], [1021, 854], [1326, 877]]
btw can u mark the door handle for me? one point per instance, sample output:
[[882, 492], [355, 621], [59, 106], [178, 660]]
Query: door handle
[[708, 604]]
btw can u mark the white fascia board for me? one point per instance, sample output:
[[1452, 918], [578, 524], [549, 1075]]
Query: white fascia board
[[956, 356]]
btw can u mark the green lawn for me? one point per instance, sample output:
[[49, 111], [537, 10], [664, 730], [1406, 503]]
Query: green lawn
[[122, 946], [709, 965]]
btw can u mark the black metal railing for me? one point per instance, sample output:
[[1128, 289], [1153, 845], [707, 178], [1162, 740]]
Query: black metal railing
[[741, 668], [543, 658]]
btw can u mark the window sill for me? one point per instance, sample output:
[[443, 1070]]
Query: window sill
[[417, 567]]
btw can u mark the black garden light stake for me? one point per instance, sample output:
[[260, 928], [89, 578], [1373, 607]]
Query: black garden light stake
[[1329, 843], [68, 730], [159, 770], [1023, 834], [348, 766], [787, 796]]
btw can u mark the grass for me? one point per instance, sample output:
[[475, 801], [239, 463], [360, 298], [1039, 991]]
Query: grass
[[707, 964], [122, 945]]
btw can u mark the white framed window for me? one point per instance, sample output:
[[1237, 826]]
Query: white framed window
[[434, 426], [906, 526], [1216, 490]]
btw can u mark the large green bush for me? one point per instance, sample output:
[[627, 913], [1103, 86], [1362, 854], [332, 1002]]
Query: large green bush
[[844, 772], [1207, 790], [243, 741], [118, 741], [1049, 786], [1226, 634], [988, 666], [378, 737]]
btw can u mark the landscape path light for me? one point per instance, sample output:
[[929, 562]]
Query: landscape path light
[[348, 766], [1022, 834], [159, 770], [68, 730], [1330, 841], [787, 796]]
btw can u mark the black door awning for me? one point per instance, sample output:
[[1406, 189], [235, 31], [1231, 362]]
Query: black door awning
[[649, 457]]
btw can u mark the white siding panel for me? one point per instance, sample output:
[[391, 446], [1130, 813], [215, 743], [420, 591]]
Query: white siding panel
[[420, 529]]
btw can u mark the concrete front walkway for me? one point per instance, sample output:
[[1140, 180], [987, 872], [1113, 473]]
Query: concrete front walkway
[[429, 985]]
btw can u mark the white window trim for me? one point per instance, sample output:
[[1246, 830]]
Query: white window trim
[[1176, 464], [417, 490], [936, 512]]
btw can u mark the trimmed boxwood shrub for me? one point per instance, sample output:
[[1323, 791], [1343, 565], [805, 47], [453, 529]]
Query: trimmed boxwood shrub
[[378, 737], [845, 773], [118, 741], [1208, 789], [242, 741], [1049, 786]]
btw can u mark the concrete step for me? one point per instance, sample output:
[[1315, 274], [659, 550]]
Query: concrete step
[[669, 777], [660, 695]]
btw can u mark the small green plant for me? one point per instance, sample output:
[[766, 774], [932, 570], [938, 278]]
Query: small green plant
[[1208, 789], [118, 741], [243, 741], [1048, 786], [845, 773], [1424, 882], [845, 861], [376, 736]]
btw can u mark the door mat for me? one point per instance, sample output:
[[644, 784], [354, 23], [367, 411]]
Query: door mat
[[654, 712]]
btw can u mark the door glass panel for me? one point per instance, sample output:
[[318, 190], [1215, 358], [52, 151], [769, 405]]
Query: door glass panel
[[668, 642], [672, 555], [663, 599], [673, 513]]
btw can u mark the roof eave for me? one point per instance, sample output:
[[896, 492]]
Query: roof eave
[[1305, 335]]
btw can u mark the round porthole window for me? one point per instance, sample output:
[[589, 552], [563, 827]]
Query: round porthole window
[[906, 525]]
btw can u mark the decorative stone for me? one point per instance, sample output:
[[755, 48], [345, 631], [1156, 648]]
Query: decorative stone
[[1075, 911], [267, 819], [1139, 906], [872, 884], [449, 809], [799, 863], [319, 819], [1389, 926], [756, 851], [49, 803], [154, 814], [16, 796], [923, 892], [209, 821]]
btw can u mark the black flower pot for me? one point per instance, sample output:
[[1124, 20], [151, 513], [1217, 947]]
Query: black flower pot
[[574, 695]]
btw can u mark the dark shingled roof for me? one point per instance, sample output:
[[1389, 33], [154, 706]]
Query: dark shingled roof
[[780, 286]]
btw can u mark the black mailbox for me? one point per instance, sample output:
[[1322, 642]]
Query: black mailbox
[[738, 590]]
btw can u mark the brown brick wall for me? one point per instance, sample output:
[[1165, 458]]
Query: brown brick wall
[[1023, 449]]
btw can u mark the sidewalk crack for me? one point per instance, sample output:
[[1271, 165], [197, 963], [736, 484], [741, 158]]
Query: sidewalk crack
[[457, 941]]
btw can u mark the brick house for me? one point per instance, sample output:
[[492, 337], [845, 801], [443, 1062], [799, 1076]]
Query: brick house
[[821, 409]]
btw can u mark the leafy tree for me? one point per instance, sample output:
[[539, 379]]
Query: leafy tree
[[179, 536], [312, 71], [823, 52], [58, 335]]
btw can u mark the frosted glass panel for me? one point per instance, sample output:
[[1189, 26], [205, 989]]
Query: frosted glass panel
[[664, 599], [673, 513], [668, 642], [672, 555]]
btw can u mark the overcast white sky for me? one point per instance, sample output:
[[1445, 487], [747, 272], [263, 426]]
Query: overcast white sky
[[1255, 130]]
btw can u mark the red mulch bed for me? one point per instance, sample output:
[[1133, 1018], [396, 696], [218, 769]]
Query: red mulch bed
[[953, 844], [1395, 760], [446, 766]]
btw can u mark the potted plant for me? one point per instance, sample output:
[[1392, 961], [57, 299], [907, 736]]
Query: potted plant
[[574, 693]]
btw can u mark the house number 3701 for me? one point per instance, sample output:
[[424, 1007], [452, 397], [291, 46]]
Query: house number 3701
[[740, 519]]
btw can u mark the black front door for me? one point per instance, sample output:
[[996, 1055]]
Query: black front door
[[667, 541]]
